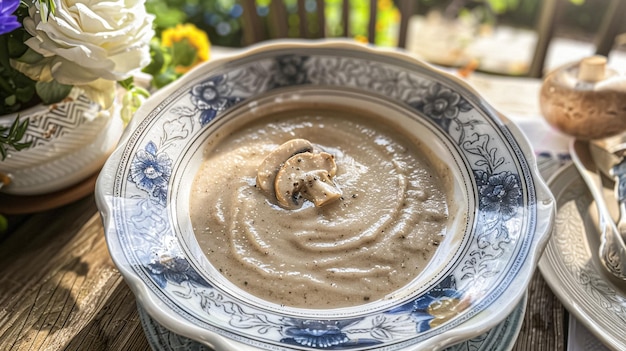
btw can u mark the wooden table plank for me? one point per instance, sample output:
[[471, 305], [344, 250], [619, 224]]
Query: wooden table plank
[[543, 328], [59, 289]]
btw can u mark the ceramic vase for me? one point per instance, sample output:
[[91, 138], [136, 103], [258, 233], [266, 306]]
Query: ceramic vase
[[70, 142]]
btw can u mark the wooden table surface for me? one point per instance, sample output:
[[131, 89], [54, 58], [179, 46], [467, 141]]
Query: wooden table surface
[[59, 290]]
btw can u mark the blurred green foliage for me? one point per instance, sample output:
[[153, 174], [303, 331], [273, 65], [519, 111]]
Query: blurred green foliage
[[221, 19]]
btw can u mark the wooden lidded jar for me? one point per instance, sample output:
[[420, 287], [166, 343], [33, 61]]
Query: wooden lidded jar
[[586, 100]]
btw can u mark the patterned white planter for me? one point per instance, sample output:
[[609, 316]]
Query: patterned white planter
[[70, 141]]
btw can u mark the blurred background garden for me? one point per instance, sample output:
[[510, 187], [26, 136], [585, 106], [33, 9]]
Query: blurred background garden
[[498, 35]]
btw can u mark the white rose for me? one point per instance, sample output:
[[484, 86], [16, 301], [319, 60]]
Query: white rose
[[83, 41]]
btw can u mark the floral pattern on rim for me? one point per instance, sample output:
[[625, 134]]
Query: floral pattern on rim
[[443, 105], [289, 70], [499, 198], [175, 270], [499, 191], [151, 171], [325, 334], [435, 307], [211, 97], [503, 335], [499, 194], [322, 334], [165, 262]]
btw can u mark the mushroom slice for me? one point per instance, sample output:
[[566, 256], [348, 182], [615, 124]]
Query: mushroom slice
[[307, 175], [266, 173]]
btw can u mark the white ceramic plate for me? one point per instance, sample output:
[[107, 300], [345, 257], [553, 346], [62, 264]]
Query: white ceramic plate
[[571, 267], [478, 275]]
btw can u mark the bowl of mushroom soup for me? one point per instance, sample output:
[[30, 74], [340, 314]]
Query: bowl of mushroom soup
[[303, 195]]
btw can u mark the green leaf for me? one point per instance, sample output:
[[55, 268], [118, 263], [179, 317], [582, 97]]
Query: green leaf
[[12, 138], [167, 16], [26, 93], [15, 44], [30, 56], [157, 59], [21, 146], [51, 92], [14, 126], [141, 92], [5, 84], [10, 100], [21, 129], [162, 79], [127, 83], [183, 53]]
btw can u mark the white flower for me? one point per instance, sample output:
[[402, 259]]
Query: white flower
[[84, 42]]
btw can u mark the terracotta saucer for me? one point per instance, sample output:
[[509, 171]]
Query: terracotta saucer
[[20, 204]]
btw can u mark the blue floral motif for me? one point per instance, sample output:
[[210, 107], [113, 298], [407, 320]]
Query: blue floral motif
[[488, 156], [442, 105], [435, 307], [289, 70], [150, 171], [499, 194], [174, 270], [321, 334], [211, 97]]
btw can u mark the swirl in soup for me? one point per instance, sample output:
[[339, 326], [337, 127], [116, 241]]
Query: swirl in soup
[[319, 208]]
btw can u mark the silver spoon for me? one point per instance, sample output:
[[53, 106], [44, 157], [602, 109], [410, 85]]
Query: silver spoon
[[607, 155], [612, 249]]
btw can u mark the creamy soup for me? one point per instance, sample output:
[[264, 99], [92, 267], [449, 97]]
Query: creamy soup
[[376, 235]]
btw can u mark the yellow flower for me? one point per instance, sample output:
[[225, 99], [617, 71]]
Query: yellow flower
[[385, 5], [191, 35], [361, 38]]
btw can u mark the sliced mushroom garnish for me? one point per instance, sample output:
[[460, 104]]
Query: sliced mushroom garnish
[[268, 169], [307, 175]]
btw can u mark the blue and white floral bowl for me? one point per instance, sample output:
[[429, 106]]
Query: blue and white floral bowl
[[475, 280]]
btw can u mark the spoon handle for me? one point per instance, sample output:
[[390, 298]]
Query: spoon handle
[[612, 249], [619, 176]]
